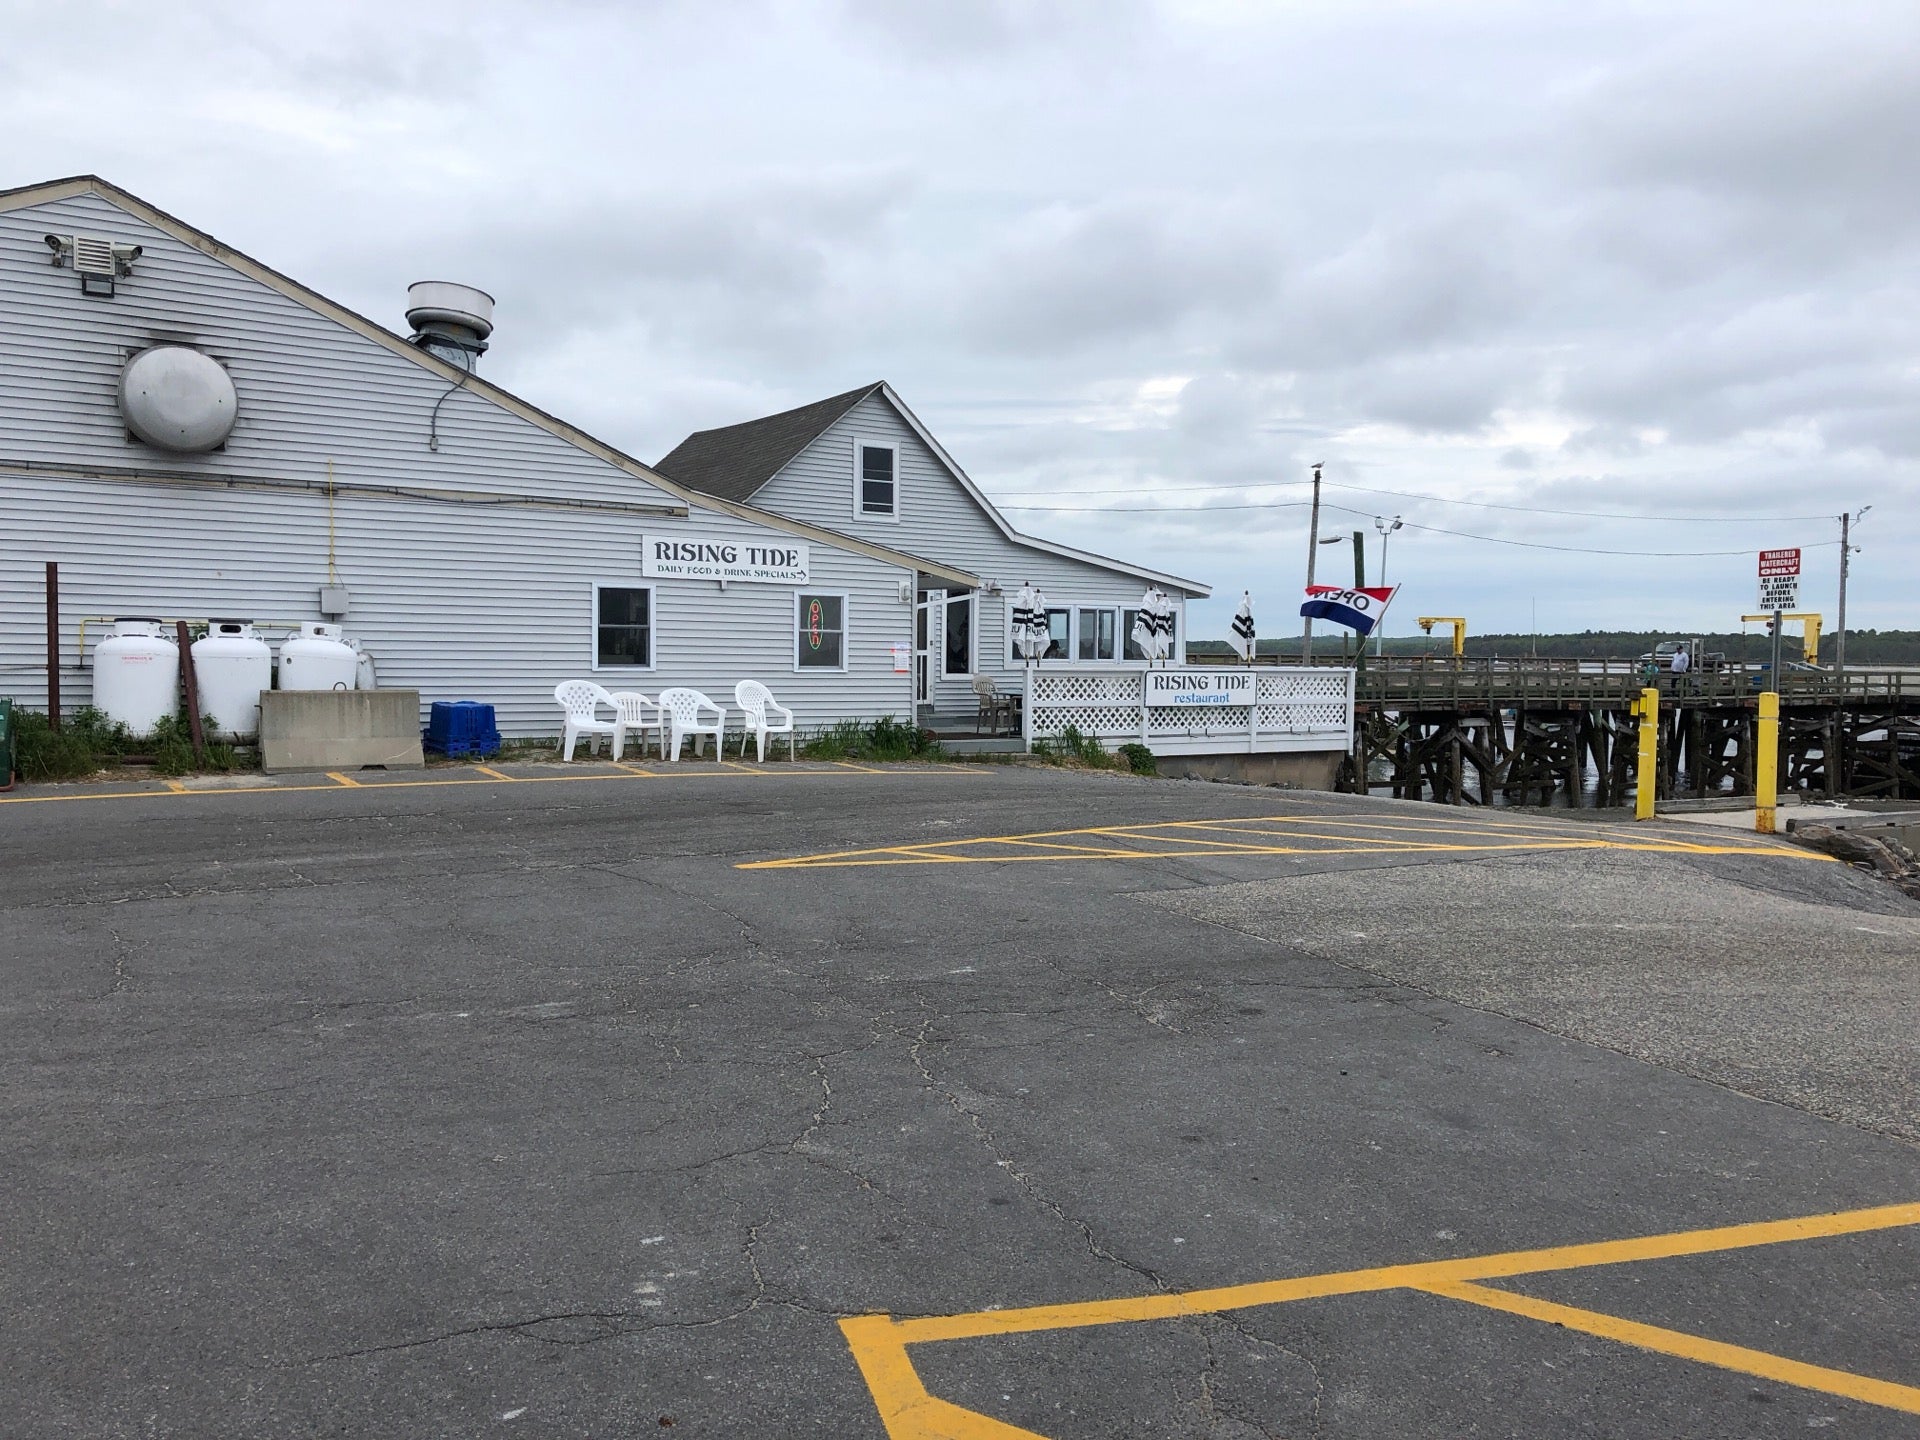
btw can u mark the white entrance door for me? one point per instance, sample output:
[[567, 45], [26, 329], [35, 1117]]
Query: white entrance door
[[923, 648]]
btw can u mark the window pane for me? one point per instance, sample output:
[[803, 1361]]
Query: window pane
[[1130, 650], [1106, 650], [623, 633], [826, 655], [959, 639], [623, 607], [1056, 635], [821, 640], [623, 645], [1089, 634], [876, 480]]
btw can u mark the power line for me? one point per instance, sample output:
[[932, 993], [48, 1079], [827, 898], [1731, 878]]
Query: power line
[[1203, 510], [1443, 500]]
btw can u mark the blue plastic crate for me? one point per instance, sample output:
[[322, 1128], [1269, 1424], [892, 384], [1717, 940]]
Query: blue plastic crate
[[461, 727]]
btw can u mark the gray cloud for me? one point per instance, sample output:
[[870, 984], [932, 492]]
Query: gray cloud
[[1615, 259]]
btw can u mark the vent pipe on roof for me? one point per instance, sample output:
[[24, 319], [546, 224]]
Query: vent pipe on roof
[[451, 321]]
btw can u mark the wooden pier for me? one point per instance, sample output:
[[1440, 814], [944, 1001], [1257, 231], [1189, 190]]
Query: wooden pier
[[1544, 732]]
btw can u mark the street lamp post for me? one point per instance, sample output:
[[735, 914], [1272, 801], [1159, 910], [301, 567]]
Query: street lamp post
[[1386, 528]]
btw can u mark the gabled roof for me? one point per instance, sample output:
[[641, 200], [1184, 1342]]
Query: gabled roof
[[737, 461], [734, 461], [53, 190]]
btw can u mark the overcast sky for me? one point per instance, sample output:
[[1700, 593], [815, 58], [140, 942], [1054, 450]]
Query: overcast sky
[[1138, 263]]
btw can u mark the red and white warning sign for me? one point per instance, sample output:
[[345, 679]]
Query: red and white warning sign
[[1780, 579]]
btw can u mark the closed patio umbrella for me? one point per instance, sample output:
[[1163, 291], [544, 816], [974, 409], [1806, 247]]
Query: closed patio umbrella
[[1030, 634], [1153, 626], [1242, 640]]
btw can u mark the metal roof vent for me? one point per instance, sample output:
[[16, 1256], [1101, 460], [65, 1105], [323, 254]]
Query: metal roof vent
[[449, 320], [178, 399], [98, 261]]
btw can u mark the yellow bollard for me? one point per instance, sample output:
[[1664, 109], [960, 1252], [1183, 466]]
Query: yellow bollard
[[1647, 780], [1766, 763]]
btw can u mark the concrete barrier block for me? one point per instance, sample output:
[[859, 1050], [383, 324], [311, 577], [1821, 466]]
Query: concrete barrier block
[[339, 730], [1298, 770]]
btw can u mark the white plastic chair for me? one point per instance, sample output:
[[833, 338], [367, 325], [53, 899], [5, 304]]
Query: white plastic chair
[[757, 700], [582, 699], [634, 714], [682, 713]]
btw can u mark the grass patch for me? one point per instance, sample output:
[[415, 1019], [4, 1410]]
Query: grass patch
[[1086, 752], [884, 739], [87, 742]]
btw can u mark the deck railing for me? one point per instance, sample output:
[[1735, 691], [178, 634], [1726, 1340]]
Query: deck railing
[[1481, 681]]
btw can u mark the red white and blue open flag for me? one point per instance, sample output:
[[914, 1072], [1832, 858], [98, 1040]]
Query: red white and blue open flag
[[1358, 610]]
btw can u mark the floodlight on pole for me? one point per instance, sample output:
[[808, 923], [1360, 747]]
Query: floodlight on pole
[[1386, 528]]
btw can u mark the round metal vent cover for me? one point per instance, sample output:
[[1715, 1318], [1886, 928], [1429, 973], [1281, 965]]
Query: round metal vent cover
[[178, 399]]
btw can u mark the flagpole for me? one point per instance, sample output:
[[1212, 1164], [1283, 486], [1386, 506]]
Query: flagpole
[[1313, 551]]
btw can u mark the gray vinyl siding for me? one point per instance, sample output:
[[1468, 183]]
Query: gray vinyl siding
[[938, 519], [489, 602], [310, 389], [493, 605]]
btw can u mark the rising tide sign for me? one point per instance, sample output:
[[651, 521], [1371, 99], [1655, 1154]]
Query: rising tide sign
[[777, 563], [1199, 688]]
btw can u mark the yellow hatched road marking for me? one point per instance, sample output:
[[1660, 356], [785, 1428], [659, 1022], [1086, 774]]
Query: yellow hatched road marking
[[341, 781], [489, 770], [1689, 1347], [1191, 839], [879, 1342]]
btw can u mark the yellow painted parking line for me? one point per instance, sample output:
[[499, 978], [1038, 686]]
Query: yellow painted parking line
[[177, 787], [869, 770], [1698, 1348], [489, 770], [879, 1342], [1192, 839], [341, 782]]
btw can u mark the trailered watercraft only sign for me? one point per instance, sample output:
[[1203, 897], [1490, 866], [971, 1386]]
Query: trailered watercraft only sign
[[1199, 687], [778, 563]]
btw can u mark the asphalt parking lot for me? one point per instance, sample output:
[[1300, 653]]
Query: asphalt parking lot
[[968, 1102]]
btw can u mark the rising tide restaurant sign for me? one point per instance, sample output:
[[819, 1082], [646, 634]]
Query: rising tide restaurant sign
[[776, 563], [1199, 688]]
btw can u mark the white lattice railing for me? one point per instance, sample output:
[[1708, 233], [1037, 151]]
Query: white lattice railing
[[1207, 711]]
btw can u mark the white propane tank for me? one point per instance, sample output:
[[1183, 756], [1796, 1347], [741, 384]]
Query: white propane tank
[[318, 658], [136, 674], [231, 666], [364, 677]]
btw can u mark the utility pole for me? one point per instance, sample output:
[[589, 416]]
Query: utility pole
[[1313, 551], [1846, 551]]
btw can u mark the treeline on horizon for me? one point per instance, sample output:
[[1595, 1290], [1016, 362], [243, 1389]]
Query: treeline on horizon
[[1864, 647]]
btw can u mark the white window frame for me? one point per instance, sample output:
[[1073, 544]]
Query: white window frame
[[846, 631], [1177, 656], [1073, 643], [1050, 608], [653, 628], [972, 599], [875, 516]]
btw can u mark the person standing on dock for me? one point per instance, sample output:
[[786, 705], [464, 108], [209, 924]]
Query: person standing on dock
[[1682, 662]]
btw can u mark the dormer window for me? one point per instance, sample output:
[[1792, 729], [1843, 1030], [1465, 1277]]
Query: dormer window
[[876, 481]]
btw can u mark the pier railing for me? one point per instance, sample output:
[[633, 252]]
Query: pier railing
[[1438, 681]]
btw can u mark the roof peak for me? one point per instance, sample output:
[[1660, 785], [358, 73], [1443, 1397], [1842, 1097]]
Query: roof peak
[[736, 461]]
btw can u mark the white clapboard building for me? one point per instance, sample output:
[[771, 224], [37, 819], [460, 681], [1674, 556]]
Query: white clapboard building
[[863, 463], [188, 433]]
